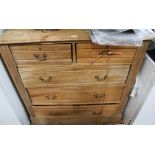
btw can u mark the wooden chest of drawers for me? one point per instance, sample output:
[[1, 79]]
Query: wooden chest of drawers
[[62, 78]]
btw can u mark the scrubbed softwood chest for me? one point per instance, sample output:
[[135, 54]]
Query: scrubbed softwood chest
[[63, 78]]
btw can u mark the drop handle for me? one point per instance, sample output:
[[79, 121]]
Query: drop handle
[[104, 52], [107, 52], [45, 80], [101, 78], [97, 112], [99, 95], [40, 57], [51, 97]]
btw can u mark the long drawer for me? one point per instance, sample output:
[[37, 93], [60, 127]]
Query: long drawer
[[95, 54], [81, 114], [77, 120], [45, 76], [76, 95], [42, 54], [74, 110]]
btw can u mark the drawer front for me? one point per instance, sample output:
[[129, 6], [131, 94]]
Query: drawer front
[[76, 95], [94, 54], [42, 54], [69, 75], [80, 110], [77, 120]]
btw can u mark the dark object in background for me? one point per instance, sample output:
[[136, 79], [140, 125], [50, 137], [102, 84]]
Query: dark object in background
[[151, 50], [151, 53]]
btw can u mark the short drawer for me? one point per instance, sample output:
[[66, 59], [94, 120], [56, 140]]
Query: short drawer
[[44, 76], [74, 110], [95, 54], [42, 54], [76, 95]]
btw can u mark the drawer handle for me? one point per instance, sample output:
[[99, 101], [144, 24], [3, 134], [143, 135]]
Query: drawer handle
[[101, 78], [108, 53], [99, 95], [104, 52], [99, 56], [51, 97], [55, 113], [40, 57], [97, 113], [45, 81]]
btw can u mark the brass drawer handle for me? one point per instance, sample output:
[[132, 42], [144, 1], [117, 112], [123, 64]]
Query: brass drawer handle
[[101, 78], [108, 53], [51, 97], [45, 81], [99, 95], [97, 113], [56, 113], [103, 52], [40, 57]]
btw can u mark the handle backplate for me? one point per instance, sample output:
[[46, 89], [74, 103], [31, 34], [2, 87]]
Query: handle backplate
[[41, 57], [45, 80]]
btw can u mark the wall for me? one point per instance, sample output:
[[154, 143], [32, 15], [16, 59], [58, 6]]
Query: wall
[[11, 108], [146, 115], [1, 31], [145, 82]]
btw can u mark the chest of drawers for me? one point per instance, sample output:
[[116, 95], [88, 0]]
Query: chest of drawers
[[63, 78]]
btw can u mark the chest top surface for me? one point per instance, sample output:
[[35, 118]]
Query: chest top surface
[[34, 35]]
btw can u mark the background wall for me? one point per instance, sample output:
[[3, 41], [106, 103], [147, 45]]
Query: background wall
[[147, 113], [11, 108], [140, 109], [1, 31]]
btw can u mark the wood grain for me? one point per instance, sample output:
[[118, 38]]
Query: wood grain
[[73, 74], [75, 95], [88, 55], [40, 47], [87, 120], [91, 45], [42, 54], [82, 110], [37, 36]]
